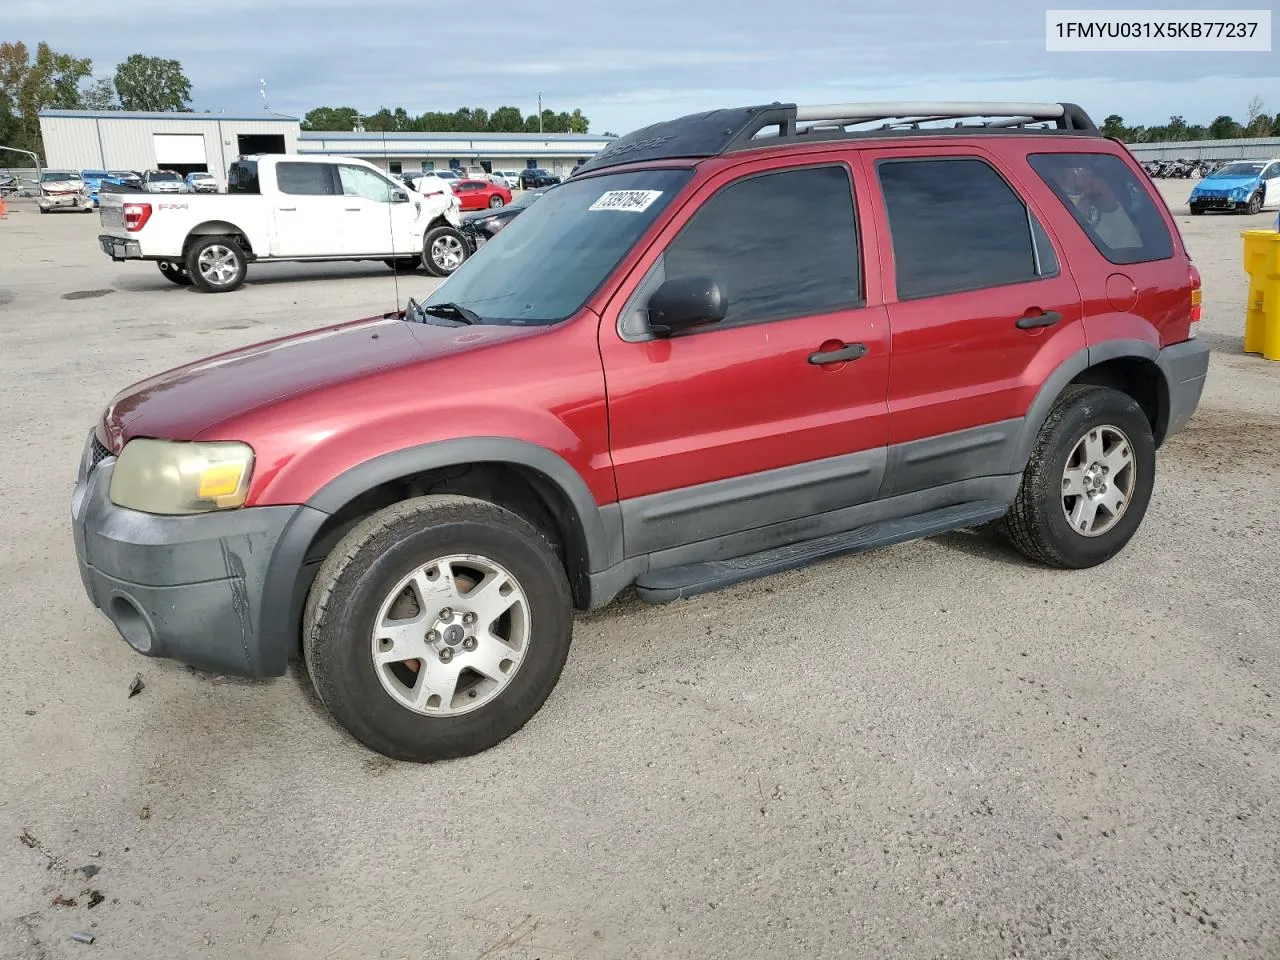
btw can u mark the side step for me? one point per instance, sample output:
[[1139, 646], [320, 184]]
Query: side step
[[675, 583]]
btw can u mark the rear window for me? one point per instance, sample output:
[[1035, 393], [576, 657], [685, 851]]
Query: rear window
[[1109, 203], [305, 179], [242, 177]]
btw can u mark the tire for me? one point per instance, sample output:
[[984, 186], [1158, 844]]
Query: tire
[[443, 250], [1038, 523], [1197, 211], [495, 202], [174, 272], [1255, 204], [359, 580], [216, 264]]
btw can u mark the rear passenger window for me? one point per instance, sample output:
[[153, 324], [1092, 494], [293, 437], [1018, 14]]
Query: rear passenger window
[[781, 244], [957, 225], [305, 179], [1112, 207]]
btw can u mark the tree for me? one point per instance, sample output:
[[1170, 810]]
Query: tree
[[506, 120], [610, 134], [577, 122], [153, 84], [29, 85], [331, 118], [1253, 111], [1275, 126], [1114, 126], [1177, 129], [1224, 128], [99, 95]]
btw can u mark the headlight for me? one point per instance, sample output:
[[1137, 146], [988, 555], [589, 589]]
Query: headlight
[[164, 477], [1239, 192]]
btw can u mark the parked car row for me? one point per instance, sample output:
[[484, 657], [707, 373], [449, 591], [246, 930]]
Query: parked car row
[[1182, 169]]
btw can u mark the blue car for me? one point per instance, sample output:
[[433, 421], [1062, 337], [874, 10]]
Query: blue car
[[1243, 186], [93, 180]]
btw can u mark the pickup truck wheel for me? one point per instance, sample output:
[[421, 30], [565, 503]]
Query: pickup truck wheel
[[437, 628], [216, 264], [174, 272], [1088, 483], [443, 250]]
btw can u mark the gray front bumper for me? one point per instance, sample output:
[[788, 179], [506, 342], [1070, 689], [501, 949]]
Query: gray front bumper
[[187, 588], [1184, 366]]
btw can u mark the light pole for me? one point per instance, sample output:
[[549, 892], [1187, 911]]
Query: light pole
[[539, 111]]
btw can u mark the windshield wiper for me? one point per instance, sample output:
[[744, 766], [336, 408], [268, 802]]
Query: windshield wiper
[[450, 309]]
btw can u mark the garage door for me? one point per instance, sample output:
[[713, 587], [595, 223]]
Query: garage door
[[179, 149]]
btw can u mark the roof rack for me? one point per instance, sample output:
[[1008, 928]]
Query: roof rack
[[717, 132]]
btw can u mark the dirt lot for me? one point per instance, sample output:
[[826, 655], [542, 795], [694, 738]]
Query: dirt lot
[[934, 750]]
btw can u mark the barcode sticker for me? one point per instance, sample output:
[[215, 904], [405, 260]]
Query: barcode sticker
[[628, 201]]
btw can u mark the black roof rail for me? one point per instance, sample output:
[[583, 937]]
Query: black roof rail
[[715, 132]]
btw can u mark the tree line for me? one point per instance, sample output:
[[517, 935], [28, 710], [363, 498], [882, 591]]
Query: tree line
[[46, 79], [1257, 123], [463, 120]]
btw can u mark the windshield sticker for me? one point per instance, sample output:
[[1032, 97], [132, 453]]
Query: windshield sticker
[[628, 201]]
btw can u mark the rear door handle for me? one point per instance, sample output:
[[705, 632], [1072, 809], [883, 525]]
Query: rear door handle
[[850, 351], [1030, 321]]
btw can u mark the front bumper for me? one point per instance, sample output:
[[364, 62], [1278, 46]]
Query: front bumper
[[118, 249], [1185, 366], [1217, 203], [56, 201], [190, 588]]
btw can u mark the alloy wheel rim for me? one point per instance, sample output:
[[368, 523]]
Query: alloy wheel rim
[[217, 264], [446, 252], [450, 636], [1098, 481]]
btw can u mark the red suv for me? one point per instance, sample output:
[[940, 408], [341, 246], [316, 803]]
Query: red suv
[[733, 344]]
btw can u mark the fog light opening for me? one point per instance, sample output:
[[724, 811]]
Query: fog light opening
[[131, 623]]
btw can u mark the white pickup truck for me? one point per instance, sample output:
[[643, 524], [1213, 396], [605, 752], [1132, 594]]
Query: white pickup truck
[[285, 207]]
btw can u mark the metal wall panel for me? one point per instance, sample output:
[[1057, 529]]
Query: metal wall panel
[[1246, 148]]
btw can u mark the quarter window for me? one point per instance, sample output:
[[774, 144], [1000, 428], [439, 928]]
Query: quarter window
[[780, 244], [1113, 209], [305, 179], [956, 225]]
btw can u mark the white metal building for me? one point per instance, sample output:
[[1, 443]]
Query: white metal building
[[184, 142], [187, 142], [412, 152], [1243, 148]]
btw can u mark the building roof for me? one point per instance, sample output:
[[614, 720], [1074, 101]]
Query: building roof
[[263, 117], [565, 138]]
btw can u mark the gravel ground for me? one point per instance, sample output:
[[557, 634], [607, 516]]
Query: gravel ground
[[936, 750]]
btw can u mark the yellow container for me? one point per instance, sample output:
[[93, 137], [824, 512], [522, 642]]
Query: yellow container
[[1262, 309]]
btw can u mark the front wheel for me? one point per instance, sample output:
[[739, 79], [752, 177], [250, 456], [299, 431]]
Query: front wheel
[[443, 250], [1255, 203], [437, 627], [1088, 482], [216, 264], [174, 272]]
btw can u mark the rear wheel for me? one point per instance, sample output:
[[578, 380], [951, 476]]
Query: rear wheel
[[174, 272], [496, 201], [1088, 482], [216, 264], [443, 250], [437, 627]]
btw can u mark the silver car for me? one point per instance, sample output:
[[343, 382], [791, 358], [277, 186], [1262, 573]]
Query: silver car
[[164, 181], [63, 190], [202, 182]]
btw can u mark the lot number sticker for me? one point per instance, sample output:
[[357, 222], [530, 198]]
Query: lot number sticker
[[628, 201]]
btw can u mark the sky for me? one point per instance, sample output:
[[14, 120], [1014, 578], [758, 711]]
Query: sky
[[626, 64]]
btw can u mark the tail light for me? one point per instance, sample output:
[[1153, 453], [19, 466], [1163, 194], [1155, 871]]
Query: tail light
[[1194, 276], [136, 216]]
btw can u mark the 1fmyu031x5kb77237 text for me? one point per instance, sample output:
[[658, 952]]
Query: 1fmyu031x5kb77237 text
[[1208, 31]]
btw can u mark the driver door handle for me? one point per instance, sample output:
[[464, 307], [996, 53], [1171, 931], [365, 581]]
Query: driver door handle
[[850, 351]]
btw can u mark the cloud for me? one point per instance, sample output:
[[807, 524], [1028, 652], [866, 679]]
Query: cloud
[[627, 63]]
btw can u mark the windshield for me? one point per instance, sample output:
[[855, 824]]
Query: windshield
[[165, 175], [95, 174], [58, 176], [544, 265], [1239, 170], [526, 198]]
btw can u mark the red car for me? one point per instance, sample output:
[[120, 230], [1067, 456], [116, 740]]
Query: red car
[[768, 351], [480, 194]]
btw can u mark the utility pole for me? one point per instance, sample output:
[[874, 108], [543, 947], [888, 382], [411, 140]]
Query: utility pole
[[539, 111], [263, 90]]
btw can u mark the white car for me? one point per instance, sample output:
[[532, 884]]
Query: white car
[[63, 190], [284, 207]]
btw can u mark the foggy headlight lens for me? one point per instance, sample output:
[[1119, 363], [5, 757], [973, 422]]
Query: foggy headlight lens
[[164, 477]]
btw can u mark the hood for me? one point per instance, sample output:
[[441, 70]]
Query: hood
[[62, 186], [182, 403], [1227, 183]]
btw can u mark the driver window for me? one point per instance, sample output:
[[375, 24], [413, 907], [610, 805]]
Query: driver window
[[359, 182]]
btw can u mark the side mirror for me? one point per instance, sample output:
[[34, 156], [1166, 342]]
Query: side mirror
[[684, 302], [399, 196]]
